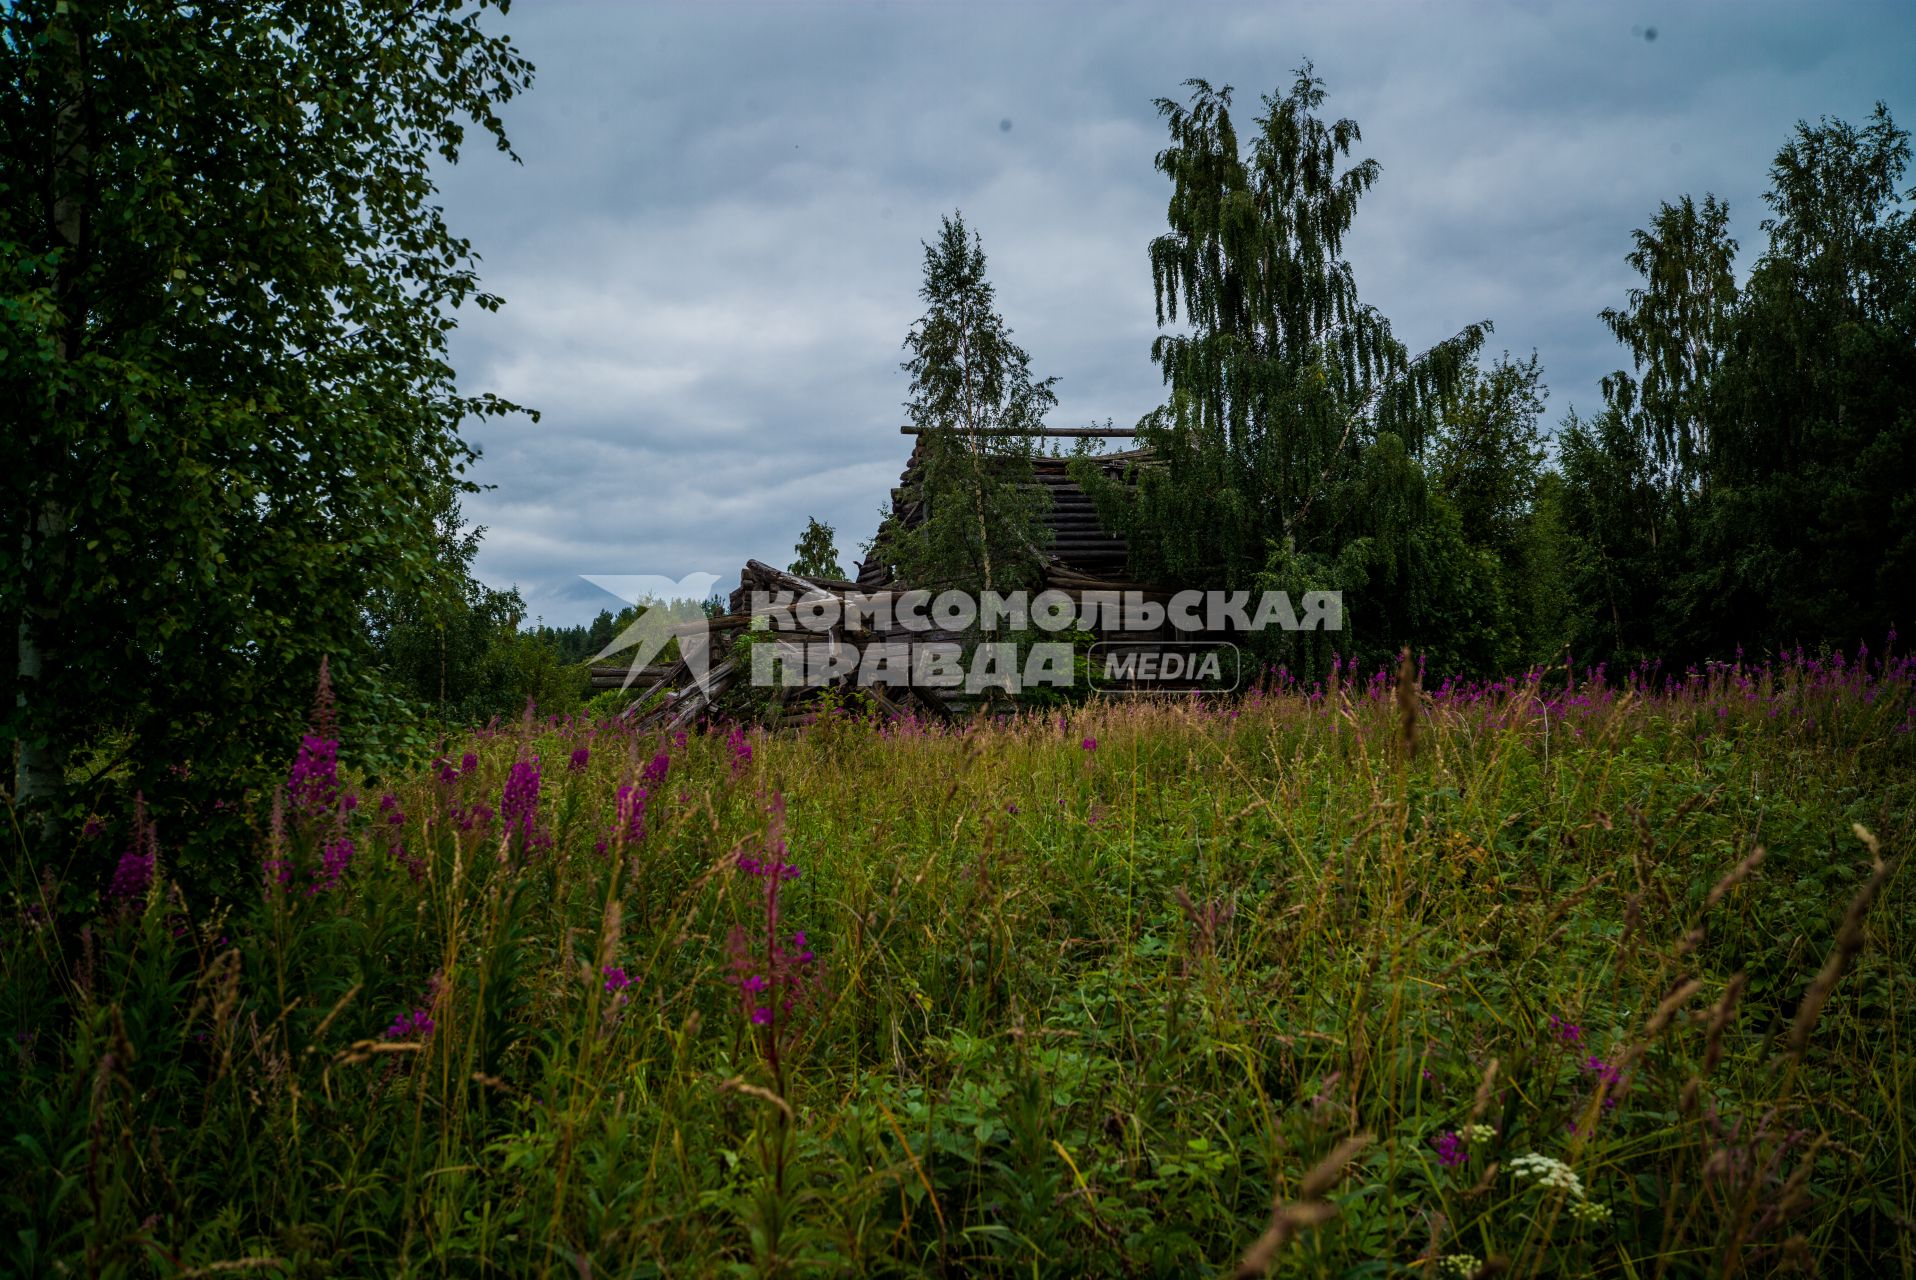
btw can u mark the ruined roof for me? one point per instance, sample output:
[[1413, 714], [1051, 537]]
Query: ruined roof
[[1083, 552]]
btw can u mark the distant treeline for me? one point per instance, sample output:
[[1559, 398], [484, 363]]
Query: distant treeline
[[1748, 485]]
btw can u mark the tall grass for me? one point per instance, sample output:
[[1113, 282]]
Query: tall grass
[[1605, 979]]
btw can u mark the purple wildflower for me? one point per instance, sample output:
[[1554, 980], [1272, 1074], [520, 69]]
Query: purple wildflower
[[655, 770], [468, 762], [580, 758], [132, 877], [134, 874], [1450, 1149], [1607, 1076], [334, 859], [629, 826], [1568, 1032], [416, 1025], [771, 975], [313, 784], [519, 802], [1090, 744], [616, 978]]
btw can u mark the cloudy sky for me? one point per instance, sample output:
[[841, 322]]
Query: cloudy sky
[[711, 253]]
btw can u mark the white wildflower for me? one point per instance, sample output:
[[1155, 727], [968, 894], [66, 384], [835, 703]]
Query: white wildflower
[[1479, 1133], [1458, 1264], [1549, 1172], [1590, 1211]]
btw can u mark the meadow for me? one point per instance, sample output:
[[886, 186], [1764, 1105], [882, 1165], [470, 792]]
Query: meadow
[[1539, 977]]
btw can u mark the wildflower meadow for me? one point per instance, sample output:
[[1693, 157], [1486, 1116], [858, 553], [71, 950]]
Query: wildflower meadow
[[1600, 975]]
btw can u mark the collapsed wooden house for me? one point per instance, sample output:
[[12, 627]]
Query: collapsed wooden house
[[1082, 552], [1083, 556]]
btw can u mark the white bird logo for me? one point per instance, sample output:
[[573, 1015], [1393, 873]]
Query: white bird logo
[[669, 610]]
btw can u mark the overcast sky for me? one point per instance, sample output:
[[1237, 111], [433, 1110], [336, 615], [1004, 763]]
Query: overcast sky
[[711, 253]]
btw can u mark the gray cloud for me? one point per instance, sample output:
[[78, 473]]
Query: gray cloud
[[711, 252]]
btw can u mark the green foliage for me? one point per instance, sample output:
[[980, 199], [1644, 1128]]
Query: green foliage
[[1614, 512], [1754, 489], [974, 516], [457, 652], [816, 555], [1077, 1011], [1294, 440], [1285, 377], [1487, 455], [225, 293], [1675, 326], [580, 643]]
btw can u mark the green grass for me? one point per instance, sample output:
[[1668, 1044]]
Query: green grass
[[1219, 985]]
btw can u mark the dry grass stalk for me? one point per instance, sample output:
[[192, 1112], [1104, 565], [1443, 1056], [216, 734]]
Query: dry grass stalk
[[1486, 1182], [1734, 877], [1407, 704], [737, 1084], [1308, 1210], [1720, 1020], [1849, 941], [1659, 1019], [609, 934], [235, 1264], [1484, 1086]]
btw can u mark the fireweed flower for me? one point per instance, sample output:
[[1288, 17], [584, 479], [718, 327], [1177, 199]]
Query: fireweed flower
[[468, 762], [631, 814], [333, 861], [741, 746], [1568, 1032], [655, 771], [616, 978], [313, 784], [478, 815], [416, 1025], [519, 805], [771, 974], [1450, 1149], [1607, 1077], [628, 825], [134, 874], [132, 877], [580, 758], [1090, 744]]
